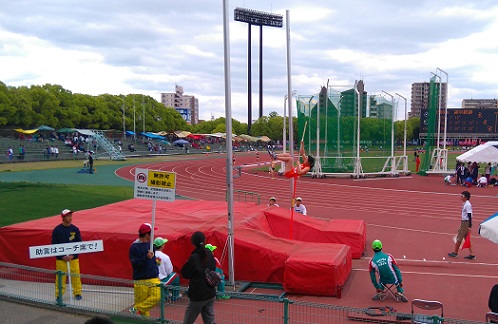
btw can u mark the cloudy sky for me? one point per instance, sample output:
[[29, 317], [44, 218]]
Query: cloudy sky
[[124, 46]]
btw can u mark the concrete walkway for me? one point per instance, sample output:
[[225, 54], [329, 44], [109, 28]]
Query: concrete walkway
[[15, 313]]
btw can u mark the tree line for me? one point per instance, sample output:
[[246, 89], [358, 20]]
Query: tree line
[[52, 105]]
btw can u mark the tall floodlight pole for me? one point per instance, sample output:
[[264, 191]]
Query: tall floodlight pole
[[393, 166], [445, 164], [257, 18], [228, 125], [405, 163]]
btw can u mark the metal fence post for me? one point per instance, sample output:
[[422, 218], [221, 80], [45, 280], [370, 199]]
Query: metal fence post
[[163, 301], [286, 310], [59, 286]]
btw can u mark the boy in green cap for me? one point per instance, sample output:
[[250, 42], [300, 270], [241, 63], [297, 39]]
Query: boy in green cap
[[166, 274], [221, 285]]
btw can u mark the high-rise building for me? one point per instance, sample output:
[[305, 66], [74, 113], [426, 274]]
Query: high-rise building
[[380, 108], [480, 103], [420, 97], [186, 105]]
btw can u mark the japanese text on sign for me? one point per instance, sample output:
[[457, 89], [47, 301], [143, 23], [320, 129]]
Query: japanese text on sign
[[155, 185], [53, 250]]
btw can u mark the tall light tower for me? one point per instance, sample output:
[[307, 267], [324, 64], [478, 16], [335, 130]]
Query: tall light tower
[[258, 18]]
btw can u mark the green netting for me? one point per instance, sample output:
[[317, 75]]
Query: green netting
[[332, 121], [431, 124]]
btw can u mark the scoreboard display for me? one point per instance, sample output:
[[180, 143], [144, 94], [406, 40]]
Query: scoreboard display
[[465, 121]]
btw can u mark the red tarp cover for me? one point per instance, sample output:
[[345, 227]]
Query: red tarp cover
[[344, 231], [259, 255]]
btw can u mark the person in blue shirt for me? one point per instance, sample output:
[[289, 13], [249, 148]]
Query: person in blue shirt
[[388, 272], [146, 286]]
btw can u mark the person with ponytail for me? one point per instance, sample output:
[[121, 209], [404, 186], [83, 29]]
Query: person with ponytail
[[201, 295]]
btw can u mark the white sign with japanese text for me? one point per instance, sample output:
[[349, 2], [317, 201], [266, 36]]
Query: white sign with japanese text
[[153, 184], [52, 250]]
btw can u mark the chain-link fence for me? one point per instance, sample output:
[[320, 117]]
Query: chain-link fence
[[115, 297]]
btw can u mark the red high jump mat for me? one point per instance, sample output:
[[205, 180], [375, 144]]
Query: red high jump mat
[[260, 255]]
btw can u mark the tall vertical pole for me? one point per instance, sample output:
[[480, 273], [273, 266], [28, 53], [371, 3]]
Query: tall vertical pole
[[326, 119], [309, 121], [228, 125], [143, 112], [289, 96], [405, 163], [261, 71], [445, 165], [249, 82], [124, 121], [284, 135], [134, 120], [393, 166]]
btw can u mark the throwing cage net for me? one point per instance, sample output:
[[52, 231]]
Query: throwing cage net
[[345, 144]]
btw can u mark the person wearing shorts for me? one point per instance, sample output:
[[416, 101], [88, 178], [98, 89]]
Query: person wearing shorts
[[300, 169], [465, 226]]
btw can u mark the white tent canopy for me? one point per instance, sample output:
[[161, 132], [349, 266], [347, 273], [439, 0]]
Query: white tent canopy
[[85, 132], [484, 153], [489, 228]]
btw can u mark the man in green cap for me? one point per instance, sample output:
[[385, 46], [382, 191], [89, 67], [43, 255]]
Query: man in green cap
[[385, 265]]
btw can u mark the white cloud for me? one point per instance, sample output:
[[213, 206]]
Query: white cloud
[[127, 47]]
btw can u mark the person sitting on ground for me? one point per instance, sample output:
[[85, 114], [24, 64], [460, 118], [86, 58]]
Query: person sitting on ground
[[292, 171], [273, 202], [447, 180], [166, 274], [483, 181], [389, 273]]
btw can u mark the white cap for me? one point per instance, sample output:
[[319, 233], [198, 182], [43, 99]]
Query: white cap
[[273, 198], [299, 198], [66, 212]]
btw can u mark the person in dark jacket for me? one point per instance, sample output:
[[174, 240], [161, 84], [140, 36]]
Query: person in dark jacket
[[146, 284], [66, 232], [201, 295]]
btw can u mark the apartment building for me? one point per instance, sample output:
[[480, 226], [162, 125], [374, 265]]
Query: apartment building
[[186, 105], [480, 103], [420, 97]]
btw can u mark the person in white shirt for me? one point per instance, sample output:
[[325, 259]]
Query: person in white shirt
[[465, 226], [483, 181], [273, 202], [166, 274], [299, 207], [447, 180]]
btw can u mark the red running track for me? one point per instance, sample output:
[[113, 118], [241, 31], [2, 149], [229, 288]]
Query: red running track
[[415, 217]]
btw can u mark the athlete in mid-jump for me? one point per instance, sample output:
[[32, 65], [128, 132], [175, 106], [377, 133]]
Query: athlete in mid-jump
[[300, 169]]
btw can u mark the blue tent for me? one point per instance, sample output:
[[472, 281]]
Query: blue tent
[[153, 136]]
